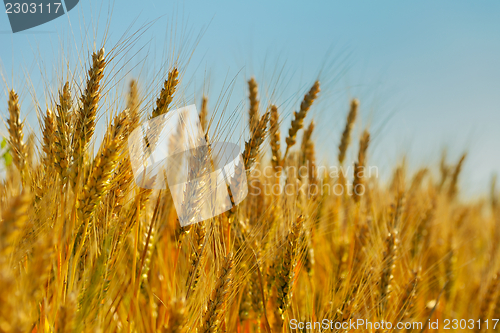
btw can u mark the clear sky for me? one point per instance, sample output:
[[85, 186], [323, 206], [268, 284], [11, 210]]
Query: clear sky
[[427, 72]]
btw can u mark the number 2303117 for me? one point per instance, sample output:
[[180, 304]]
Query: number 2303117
[[32, 8]]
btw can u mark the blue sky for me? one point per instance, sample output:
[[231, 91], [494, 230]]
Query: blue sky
[[427, 73]]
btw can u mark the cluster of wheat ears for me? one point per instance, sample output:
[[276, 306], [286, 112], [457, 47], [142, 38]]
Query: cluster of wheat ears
[[83, 249]]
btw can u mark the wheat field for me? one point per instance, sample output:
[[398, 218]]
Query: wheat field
[[84, 249]]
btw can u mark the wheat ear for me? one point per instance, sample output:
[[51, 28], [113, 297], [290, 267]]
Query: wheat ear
[[309, 155], [388, 265], [167, 94], [252, 147], [63, 133], [204, 114], [274, 129], [488, 300], [199, 159], [98, 182], [245, 303], [449, 268], [298, 121], [123, 175], [306, 142], [177, 319], [255, 293], [214, 314], [86, 114], [346, 135], [444, 170], [359, 166], [496, 310], [409, 297], [49, 129], [162, 107], [422, 230], [133, 106], [14, 218], [454, 178], [196, 257], [286, 268], [30, 150], [493, 193], [15, 127], [253, 111]]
